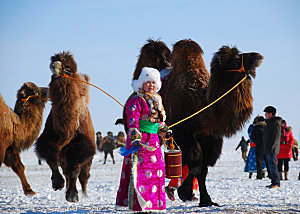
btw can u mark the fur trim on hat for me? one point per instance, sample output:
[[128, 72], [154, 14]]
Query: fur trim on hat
[[147, 74]]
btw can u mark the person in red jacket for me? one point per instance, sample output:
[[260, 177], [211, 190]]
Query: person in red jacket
[[285, 151]]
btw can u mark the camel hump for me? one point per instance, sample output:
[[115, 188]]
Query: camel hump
[[83, 87], [86, 77], [7, 114]]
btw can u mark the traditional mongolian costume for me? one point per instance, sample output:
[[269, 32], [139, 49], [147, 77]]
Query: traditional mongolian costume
[[142, 182]]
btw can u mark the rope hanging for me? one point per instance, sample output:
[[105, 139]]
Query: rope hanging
[[65, 75]]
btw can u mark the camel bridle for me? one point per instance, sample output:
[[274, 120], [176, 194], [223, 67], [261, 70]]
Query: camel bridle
[[242, 68]]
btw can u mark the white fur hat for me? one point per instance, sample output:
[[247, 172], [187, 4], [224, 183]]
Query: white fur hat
[[147, 74]]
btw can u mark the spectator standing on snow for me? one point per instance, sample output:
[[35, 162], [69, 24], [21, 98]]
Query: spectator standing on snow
[[109, 144], [250, 165], [257, 137], [271, 140], [285, 151], [244, 148]]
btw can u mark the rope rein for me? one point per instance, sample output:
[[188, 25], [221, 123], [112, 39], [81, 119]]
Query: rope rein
[[65, 75], [242, 69], [209, 104]]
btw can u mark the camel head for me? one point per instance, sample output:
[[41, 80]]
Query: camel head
[[63, 63], [230, 59], [154, 54], [30, 94], [187, 54]]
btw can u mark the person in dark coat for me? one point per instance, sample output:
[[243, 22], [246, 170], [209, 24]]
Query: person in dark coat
[[271, 140], [257, 138], [109, 144], [244, 148]]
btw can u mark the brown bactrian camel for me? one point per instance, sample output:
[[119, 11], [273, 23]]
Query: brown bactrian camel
[[191, 88], [19, 128], [121, 139], [155, 54], [99, 141], [68, 139]]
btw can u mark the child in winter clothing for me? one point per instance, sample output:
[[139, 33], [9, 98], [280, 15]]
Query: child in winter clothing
[[142, 186]]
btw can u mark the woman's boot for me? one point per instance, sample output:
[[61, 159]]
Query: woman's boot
[[286, 173]]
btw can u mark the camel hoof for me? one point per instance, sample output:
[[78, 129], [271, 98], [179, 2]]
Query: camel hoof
[[84, 195], [208, 204], [29, 192], [72, 197], [183, 195], [58, 182]]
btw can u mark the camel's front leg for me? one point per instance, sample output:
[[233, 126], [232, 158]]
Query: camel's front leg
[[72, 173], [205, 200], [185, 191], [13, 160], [85, 175], [57, 179]]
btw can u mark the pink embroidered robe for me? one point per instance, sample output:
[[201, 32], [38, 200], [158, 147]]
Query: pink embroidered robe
[[142, 182]]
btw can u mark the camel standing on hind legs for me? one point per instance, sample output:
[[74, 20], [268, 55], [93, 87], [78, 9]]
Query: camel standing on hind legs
[[68, 138], [192, 88], [19, 128]]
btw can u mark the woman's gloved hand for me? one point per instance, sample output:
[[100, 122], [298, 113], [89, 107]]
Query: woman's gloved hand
[[136, 143]]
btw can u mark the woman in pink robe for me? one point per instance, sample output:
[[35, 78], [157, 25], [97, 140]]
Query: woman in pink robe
[[142, 182]]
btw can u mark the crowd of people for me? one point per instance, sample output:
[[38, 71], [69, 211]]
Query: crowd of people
[[272, 146]]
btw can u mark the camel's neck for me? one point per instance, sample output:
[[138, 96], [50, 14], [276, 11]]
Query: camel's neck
[[230, 113], [29, 126], [63, 91]]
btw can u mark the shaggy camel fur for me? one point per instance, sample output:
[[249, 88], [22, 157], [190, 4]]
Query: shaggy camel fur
[[68, 139], [155, 54], [121, 139], [19, 128], [192, 88], [99, 141]]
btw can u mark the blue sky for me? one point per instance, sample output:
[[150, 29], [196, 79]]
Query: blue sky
[[106, 36]]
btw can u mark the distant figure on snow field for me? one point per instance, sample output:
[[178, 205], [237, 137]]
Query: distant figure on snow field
[[244, 147]]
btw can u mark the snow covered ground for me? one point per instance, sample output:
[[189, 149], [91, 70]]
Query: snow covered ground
[[227, 184]]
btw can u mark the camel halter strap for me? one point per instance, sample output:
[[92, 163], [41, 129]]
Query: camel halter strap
[[65, 75], [242, 69], [30, 96]]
